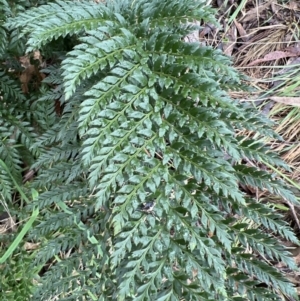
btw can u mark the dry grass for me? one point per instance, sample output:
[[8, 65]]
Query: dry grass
[[262, 39]]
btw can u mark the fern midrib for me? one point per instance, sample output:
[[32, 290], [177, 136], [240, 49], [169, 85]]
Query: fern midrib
[[200, 206], [146, 250], [195, 120], [89, 67], [195, 260], [215, 259], [115, 120], [103, 96], [137, 187], [71, 27], [210, 175]]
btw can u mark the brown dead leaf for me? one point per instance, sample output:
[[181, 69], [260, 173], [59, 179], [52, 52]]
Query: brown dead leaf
[[272, 56], [206, 30], [293, 5], [293, 49], [30, 70], [232, 37], [293, 101], [31, 246], [255, 12], [241, 31]]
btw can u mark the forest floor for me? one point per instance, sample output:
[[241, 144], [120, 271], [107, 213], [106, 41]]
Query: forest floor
[[263, 39]]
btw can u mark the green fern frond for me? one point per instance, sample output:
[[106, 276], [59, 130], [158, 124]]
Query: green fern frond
[[6, 186], [255, 150], [9, 89], [4, 12], [55, 20], [146, 157], [254, 121]]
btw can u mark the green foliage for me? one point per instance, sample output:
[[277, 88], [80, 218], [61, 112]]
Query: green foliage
[[146, 121], [16, 277], [16, 132]]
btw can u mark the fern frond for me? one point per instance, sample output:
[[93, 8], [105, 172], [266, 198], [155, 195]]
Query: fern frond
[[261, 179], [257, 151], [264, 273], [6, 186], [146, 156], [59, 22], [9, 89]]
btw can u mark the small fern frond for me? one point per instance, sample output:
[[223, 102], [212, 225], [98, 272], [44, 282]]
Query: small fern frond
[[263, 180], [4, 13], [6, 185], [257, 151], [265, 215], [9, 89], [60, 22]]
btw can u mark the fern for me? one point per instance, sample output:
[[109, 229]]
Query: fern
[[146, 124]]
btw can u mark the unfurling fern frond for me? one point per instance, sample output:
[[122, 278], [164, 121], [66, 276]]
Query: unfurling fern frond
[[147, 120]]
